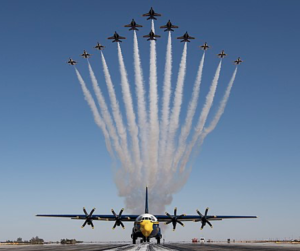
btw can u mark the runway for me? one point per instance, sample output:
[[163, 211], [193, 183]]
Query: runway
[[152, 247]]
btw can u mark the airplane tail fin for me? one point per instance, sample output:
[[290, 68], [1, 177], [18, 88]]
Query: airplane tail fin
[[146, 203]]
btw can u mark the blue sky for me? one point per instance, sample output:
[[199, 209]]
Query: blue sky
[[53, 157]]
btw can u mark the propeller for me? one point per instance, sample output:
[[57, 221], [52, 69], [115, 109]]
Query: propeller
[[203, 219], [174, 219], [88, 218], [118, 221]]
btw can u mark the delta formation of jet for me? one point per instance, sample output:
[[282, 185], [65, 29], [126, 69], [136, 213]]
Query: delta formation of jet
[[238, 61], [71, 62], [133, 25], [99, 46], [205, 46], [222, 54], [151, 14], [146, 225], [151, 36], [85, 54], [116, 37], [185, 38], [169, 26]]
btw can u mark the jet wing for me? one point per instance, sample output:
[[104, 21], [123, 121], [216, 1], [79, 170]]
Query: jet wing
[[138, 25], [164, 218], [191, 37], [181, 37], [121, 37], [146, 15], [156, 36], [100, 217], [127, 25], [157, 15], [146, 36], [164, 27], [174, 26], [111, 37]]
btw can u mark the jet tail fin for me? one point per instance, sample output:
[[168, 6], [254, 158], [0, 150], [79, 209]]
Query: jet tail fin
[[146, 203]]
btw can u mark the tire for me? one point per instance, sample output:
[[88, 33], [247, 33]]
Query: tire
[[158, 240], [133, 240]]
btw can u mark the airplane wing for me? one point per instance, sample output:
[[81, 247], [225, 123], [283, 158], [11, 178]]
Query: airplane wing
[[121, 37], [111, 38], [146, 36], [191, 38], [138, 25], [164, 218], [100, 217], [146, 15], [156, 36], [127, 25], [164, 27], [157, 15], [174, 26], [181, 37]]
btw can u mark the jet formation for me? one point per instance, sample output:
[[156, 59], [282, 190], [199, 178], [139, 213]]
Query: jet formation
[[152, 15]]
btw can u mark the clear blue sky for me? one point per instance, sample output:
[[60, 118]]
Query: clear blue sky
[[53, 158]]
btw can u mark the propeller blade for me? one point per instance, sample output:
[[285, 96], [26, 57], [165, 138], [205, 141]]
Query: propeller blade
[[114, 213], [175, 211], [91, 213], [84, 224], [121, 211], [122, 224], [168, 215], [199, 213], [209, 224], [85, 211], [174, 225], [180, 223], [92, 224], [114, 225], [206, 210], [180, 216], [168, 222]]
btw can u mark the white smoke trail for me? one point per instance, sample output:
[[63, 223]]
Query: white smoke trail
[[153, 115], [108, 120], [122, 132], [185, 130], [166, 100], [132, 127], [140, 91], [174, 120], [202, 119], [220, 110], [98, 120]]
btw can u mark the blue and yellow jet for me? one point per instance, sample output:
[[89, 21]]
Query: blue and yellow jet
[[146, 225]]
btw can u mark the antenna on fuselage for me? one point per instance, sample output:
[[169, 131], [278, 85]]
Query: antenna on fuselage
[[146, 204]]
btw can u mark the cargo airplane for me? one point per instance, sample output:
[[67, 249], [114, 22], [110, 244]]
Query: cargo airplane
[[146, 226]]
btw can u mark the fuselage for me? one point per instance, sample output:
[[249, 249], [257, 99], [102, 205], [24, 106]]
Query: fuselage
[[146, 226]]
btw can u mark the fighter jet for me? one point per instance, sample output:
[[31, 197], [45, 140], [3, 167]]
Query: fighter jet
[[151, 14], [116, 37], [133, 25], [85, 54], [71, 62], [151, 36], [169, 26], [99, 46], [186, 37], [204, 47], [222, 54], [238, 61]]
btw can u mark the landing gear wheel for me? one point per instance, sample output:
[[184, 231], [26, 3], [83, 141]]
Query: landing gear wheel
[[158, 240], [141, 241], [148, 239], [133, 240]]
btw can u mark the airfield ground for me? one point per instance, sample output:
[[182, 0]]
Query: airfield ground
[[153, 247]]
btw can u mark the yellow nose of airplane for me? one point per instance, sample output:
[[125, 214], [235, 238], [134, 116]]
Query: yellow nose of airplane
[[146, 227]]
